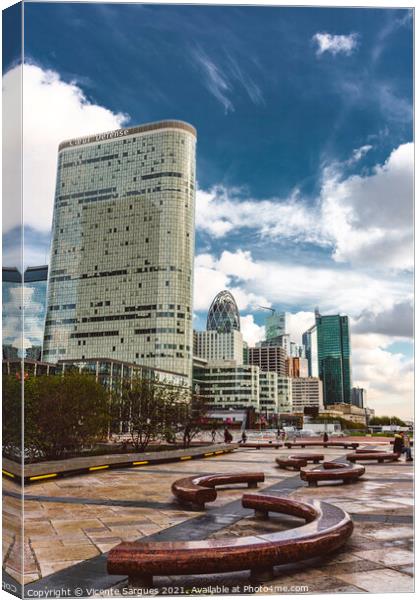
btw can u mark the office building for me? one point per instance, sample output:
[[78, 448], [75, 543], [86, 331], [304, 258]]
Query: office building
[[276, 324], [35, 300], [358, 397], [296, 367], [310, 342], [212, 345], [269, 358], [24, 297], [227, 386], [334, 358], [284, 392], [12, 317], [306, 393], [223, 315], [121, 270], [269, 393]]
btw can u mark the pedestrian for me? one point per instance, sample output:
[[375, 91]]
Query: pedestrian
[[213, 435], [325, 438], [278, 433], [244, 438], [407, 448], [398, 447], [227, 436], [283, 436]]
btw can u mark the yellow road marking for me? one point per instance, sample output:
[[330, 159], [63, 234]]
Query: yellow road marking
[[7, 473], [97, 468], [209, 454], [42, 476], [141, 462], [185, 457]]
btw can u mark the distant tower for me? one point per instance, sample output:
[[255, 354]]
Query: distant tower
[[223, 315]]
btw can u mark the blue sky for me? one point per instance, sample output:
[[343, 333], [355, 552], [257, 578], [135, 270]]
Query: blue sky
[[304, 119]]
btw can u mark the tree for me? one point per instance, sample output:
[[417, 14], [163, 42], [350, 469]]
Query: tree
[[194, 419], [63, 414], [150, 410], [12, 416]]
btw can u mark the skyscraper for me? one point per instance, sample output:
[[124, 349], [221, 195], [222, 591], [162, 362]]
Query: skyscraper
[[121, 271], [276, 324], [223, 315], [333, 343], [310, 342]]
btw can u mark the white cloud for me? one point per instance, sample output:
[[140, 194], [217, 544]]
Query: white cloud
[[364, 219], [262, 282], [251, 331], [53, 111], [387, 376], [336, 44], [221, 78], [370, 218]]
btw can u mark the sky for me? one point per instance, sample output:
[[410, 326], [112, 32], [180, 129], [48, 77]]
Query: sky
[[304, 155]]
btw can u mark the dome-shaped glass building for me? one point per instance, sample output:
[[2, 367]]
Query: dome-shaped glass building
[[223, 315]]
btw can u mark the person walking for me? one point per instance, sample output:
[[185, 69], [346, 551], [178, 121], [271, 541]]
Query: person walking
[[325, 437], [243, 437], [213, 435]]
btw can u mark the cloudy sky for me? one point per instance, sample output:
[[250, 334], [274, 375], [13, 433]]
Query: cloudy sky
[[305, 153]]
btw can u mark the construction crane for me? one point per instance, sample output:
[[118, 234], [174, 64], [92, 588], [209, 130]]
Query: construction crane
[[267, 308]]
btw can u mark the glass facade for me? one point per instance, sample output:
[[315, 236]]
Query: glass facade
[[276, 324], [223, 315], [334, 358], [310, 342], [121, 271], [228, 386], [12, 313], [34, 297]]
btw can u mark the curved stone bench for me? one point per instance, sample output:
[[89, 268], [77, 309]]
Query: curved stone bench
[[198, 489], [373, 455], [332, 471], [327, 528], [296, 461], [353, 445]]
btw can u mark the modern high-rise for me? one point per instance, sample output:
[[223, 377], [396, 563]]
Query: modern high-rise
[[212, 345], [22, 337], [310, 342], [35, 294], [269, 358], [276, 324], [12, 318], [334, 358], [358, 397], [121, 270], [223, 315]]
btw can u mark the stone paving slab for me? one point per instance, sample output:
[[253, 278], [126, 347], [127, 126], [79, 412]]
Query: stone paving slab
[[66, 541]]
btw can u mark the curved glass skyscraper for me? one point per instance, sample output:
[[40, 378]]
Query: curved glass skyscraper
[[223, 315], [121, 270]]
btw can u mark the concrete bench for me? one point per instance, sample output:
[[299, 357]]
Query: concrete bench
[[332, 471], [198, 489], [258, 445], [353, 445], [327, 528], [372, 455], [296, 461]]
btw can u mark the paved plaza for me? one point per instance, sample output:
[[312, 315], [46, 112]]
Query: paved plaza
[[71, 523]]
